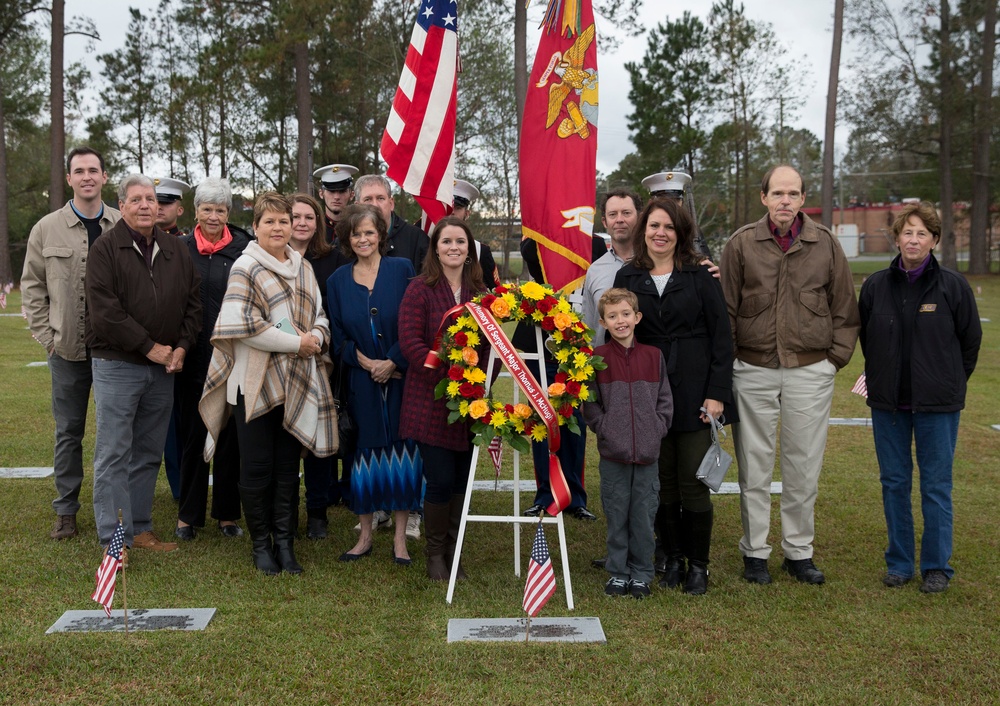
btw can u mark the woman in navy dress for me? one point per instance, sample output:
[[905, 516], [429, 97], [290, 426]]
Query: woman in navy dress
[[364, 301]]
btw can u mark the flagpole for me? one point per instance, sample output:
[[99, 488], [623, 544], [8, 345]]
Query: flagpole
[[124, 588]]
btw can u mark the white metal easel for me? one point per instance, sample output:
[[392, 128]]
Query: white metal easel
[[516, 519]]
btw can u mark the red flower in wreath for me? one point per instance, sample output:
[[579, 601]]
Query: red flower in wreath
[[573, 388], [566, 411], [487, 300], [548, 324], [461, 339], [467, 390], [546, 305], [455, 373], [561, 377]]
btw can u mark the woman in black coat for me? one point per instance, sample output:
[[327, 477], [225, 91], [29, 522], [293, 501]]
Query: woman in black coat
[[214, 246], [684, 315]]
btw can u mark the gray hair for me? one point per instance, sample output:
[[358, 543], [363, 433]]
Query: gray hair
[[133, 180], [214, 190], [371, 180]]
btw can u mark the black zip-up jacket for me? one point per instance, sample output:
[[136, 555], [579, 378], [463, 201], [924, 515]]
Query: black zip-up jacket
[[131, 306], [937, 314], [689, 323], [214, 270]]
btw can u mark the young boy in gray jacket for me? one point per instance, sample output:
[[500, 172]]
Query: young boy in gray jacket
[[630, 413]]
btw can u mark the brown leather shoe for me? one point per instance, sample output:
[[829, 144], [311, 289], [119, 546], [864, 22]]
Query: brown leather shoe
[[148, 540], [64, 528]]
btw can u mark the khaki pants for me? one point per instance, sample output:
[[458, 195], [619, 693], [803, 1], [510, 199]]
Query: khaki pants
[[800, 399]]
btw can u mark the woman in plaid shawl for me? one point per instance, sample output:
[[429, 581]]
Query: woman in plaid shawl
[[267, 368]]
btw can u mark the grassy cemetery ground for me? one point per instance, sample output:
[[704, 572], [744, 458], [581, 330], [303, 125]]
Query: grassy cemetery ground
[[371, 631]]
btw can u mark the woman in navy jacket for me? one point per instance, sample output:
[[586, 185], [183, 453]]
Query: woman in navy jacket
[[684, 315], [920, 334]]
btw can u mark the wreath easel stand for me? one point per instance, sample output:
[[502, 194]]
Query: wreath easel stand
[[516, 519]]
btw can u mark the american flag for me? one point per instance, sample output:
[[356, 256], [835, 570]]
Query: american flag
[[105, 591], [419, 141], [541, 578], [861, 386], [496, 452]]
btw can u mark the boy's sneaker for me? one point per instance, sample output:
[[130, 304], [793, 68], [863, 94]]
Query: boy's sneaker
[[638, 589], [616, 587]]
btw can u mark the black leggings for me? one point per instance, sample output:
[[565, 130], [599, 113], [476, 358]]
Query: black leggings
[[446, 472], [680, 456], [268, 453]]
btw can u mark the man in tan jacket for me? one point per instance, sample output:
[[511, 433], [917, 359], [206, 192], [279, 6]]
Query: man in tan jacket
[[795, 323], [52, 297]]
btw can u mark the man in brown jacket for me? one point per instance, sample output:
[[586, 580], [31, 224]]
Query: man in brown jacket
[[795, 323], [143, 313]]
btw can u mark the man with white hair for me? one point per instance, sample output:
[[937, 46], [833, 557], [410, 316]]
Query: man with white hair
[[143, 314], [405, 240]]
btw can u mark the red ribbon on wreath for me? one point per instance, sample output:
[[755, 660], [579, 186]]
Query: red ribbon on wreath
[[526, 382]]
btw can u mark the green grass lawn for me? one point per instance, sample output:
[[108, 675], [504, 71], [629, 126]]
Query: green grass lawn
[[372, 632]]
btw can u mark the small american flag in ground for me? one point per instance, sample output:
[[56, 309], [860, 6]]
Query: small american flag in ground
[[541, 578], [419, 141], [496, 451], [861, 386], [105, 591]]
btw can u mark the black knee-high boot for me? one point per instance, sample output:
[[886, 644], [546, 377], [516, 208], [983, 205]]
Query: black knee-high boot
[[668, 520], [286, 522], [697, 537], [257, 509]]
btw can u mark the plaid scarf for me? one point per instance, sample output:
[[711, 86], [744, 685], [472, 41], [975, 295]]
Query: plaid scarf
[[302, 385]]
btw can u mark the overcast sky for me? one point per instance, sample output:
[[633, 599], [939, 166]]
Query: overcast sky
[[805, 27]]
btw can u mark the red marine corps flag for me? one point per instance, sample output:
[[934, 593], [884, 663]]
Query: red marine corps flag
[[419, 141], [558, 155]]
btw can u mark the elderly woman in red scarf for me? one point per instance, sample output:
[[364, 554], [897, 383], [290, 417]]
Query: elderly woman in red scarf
[[214, 246]]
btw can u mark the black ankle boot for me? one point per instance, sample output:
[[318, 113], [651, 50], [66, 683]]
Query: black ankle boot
[[697, 534], [257, 511], [668, 523], [696, 582], [286, 521]]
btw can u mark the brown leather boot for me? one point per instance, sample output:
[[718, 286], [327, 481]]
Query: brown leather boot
[[436, 523]]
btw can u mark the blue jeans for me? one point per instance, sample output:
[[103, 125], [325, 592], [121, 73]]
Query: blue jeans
[[935, 434], [133, 410]]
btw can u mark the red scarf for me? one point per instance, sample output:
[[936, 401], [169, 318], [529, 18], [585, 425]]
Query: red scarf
[[206, 247]]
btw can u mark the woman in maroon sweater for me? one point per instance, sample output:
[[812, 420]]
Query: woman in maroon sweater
[[451, 275]]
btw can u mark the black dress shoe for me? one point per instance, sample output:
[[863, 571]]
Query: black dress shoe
[[400, 560], [185, 533], [755, 570], [582, 513], [347, 556], [599, 563], [803, 570], [533, 511], [231, 530]]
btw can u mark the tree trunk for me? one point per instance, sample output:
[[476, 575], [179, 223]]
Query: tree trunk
[[978, 243], [57, 132], [6, 274], [831, 113], [303, 110], [947, 119]]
